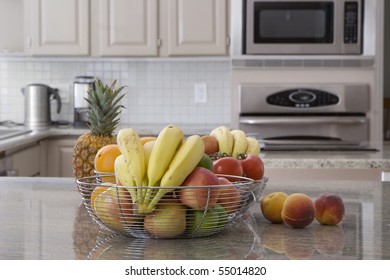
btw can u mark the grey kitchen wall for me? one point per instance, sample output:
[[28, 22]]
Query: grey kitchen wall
[[159, 91]]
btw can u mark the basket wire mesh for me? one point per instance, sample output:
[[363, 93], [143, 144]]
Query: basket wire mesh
[[111, 206]]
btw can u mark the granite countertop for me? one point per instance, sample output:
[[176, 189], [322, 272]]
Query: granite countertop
[[44, 218], [329, 159], [70, 131]]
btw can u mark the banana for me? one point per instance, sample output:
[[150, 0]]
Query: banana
[[124, 177], [240, 143], [148, 147], [183, 163], [253, 146], [165, 147], [132, 150], [224, 138]]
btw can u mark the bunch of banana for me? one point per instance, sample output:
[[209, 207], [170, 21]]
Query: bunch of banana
[[156, 167], [235, 142]]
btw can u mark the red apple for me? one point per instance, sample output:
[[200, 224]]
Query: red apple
[[229, 166], [201, 197], [229, 196], [330, 209], [253, 167]]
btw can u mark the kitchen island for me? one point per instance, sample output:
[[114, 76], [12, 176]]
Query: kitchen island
[[44, 219]]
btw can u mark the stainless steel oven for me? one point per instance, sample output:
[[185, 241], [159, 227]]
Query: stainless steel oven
[[306, 116], [302, 27]]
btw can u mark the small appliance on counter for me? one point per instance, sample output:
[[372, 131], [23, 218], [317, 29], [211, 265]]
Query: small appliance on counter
[[81, 86], [37, 105]]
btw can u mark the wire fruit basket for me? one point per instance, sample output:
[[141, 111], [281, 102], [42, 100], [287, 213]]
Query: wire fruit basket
[[183, 212]]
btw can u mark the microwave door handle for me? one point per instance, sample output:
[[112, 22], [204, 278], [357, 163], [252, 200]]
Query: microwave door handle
[[303, 120]]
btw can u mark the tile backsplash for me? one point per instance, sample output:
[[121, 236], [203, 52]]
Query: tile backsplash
[[158, 91]]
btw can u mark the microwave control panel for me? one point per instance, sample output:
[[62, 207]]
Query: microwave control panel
[[351, 17], [302, 98]]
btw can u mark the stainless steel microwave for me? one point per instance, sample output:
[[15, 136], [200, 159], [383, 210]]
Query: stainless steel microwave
[[302, 27]]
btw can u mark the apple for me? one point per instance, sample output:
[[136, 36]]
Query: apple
[[202, 222], [271, 206], [115, 208], [229, 196], [167, 220], [330, 209], [210, 144], [298, 210], [253, 167], [206, 162], [200, 197]]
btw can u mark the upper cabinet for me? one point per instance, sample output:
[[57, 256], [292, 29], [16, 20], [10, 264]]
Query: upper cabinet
[[59, 27], [197, 27], [162, 28], [128, 27], [12, 27], [104, 28]]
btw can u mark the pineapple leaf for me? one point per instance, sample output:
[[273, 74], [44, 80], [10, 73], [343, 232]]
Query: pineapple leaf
[[103, 114]]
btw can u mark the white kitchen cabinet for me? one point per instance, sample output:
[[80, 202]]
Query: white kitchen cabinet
[[57, 157], [161, 28], [197, 27], [26, 162], [128, 27], [59, 27], [12, 26]]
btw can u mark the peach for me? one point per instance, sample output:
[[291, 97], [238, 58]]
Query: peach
[[271, 206], [298, 210], [210, 144], [200, 197], [229, 196], [330, 209]]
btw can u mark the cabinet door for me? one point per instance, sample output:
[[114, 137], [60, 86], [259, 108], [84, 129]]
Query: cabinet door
[[27, 162], [128, 27], [197, 27], [59, 158], [60, 27]]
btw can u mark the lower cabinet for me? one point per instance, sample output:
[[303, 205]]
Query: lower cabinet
[[57, 156], [26, 162]]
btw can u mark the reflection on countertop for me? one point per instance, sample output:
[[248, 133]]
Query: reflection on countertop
[[52, 223]]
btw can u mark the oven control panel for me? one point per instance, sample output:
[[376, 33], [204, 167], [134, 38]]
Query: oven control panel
[[302, 98]]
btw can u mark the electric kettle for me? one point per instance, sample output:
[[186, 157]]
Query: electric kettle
[[37, 105]]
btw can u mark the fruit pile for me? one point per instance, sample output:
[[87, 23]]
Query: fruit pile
[[168, 185], [298, 210]]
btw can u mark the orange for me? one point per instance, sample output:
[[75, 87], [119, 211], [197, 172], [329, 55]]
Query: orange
[[95, 193], [105, 158]]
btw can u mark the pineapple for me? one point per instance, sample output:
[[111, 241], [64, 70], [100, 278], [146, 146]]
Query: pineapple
[[103, 119]]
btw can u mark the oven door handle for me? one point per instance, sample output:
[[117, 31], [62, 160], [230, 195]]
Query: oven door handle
[[303, 120]]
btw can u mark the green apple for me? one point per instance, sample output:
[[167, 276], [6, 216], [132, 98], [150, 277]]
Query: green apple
[[202, 222]]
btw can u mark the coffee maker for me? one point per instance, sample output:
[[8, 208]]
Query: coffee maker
[[80, 93]]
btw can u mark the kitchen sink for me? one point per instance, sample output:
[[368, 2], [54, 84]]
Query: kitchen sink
[[8, 133]]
